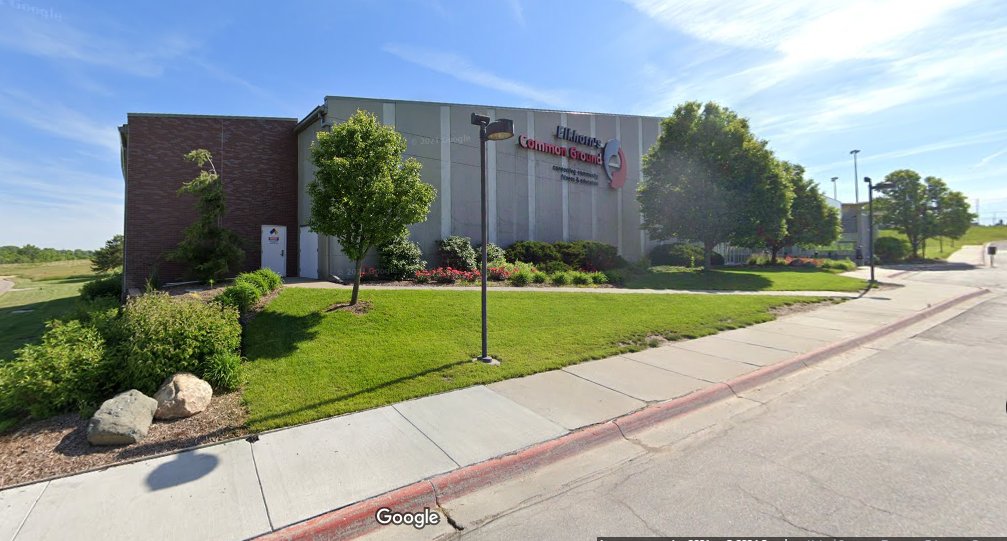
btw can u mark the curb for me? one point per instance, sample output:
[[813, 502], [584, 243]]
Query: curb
[[357, 519]]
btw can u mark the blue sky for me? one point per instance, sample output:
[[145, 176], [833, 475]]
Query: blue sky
[[913, 84]]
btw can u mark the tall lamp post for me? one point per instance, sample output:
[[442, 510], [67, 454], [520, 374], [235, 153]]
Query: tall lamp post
[[835, 194], [856, 188], [497, 130], [870, 224]]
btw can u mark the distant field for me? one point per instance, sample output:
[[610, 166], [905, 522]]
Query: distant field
[[49, 290], [942, 248]]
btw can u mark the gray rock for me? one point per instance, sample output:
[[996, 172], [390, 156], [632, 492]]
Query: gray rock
[[182, 395], [335, 279], [122, 419]]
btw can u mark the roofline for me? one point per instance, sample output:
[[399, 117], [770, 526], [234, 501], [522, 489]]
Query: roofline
[[309, 118], [492, 106], [237, 117]]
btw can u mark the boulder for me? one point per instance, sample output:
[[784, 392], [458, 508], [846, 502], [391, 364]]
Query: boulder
[[122, 419], [182, 395]]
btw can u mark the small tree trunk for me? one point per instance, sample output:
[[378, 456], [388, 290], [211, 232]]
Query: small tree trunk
[[941, 240], [356, 283], [774, 250], [707, 256]]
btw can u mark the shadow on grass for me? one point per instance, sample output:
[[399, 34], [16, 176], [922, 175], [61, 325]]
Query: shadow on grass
[[25, 323], [348, 396], [272, 335], [674, 278]]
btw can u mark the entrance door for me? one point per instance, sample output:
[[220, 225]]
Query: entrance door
[[308, 244], [274, 248]]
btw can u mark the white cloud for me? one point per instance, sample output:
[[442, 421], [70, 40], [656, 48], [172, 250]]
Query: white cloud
[[460, 68], [60, 120], [930, 148], [986, 160]]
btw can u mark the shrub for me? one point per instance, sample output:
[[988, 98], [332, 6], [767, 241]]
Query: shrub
[[109, 286], [159, 335], [571, 253], [258, 282], [520, 278], [223, 370], [615, 276], [580, 278], [400, 259], [493, 253], [598, 277], [681, 255], [599, 256], [457, 253], [272, 279], [539, 277], [890, 249], [839, 264], [559, 278], [446, 275], [369, 274], [241, 296], [67, 370], [553, 267], [536, 252]]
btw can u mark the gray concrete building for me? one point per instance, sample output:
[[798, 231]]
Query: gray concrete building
[[557, 179]]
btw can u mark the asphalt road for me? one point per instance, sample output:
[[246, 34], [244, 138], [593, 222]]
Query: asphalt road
[[911, 440]]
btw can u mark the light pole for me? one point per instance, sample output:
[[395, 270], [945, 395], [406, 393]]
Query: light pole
[[870, 224], [497, 130], [835, 194], [856, 187]]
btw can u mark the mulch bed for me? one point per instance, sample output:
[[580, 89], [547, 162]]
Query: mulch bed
[[361, 308], [58, 445]]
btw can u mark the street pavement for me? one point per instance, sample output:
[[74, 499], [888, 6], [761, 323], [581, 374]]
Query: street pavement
[[903, 437], [242, 488]]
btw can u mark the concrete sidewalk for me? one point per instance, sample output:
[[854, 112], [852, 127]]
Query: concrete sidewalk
[[242, 489]]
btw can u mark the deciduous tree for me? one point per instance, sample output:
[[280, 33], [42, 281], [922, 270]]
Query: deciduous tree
[[903, 203], [363, 193], [811, 221]]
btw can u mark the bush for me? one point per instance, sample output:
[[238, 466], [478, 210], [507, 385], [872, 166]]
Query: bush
[[446, 275], [273, 280], [241, 296], [598, 278], [400, 259], [559, 279], [67, 370], [159, 335], [839, 264], [538, 277], [553, 267], [890, 249], [536, 252], [109, 286], [520, 278], [494, 253], [580, 278], [681, 255], [257, 281], [457, 253], [571, 253], [599, 256], [616, 276]]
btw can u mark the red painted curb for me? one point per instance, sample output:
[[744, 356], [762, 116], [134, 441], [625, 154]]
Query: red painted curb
[[358, 519]]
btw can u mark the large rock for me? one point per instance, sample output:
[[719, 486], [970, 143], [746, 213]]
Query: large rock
[[182, 395], [122, 419]]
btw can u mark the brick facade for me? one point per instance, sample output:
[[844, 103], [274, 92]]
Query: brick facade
[[257, 162]]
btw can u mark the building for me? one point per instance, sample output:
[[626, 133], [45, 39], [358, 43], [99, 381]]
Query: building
[[564, 176]]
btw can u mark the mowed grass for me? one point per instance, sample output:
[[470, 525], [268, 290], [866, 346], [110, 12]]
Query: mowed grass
[[744, 279], [306, 364], [942, 248], [50, 290]]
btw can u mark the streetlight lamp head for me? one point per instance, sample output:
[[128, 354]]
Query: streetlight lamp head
[[480, 120], [835, 179], [867, 180], [500, 129], [855, 151]]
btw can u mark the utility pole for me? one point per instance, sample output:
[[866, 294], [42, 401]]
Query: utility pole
[[856, 181]]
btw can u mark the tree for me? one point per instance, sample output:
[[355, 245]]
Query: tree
[[936, 196], [109, 257], [363, 193], [903, 203], [955, 217], [209, 249], [811, 221], [709, 179]]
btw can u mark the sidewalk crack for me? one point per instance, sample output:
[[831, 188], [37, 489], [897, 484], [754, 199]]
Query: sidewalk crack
[[30, 509], [258, 479], [447, 516]]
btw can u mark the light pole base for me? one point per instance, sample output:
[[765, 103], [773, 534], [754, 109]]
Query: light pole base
[[488, 360]]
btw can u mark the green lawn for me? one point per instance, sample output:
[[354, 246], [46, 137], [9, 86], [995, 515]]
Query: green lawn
[[50, 290], [306, 364], [744, 279], [942, 248]]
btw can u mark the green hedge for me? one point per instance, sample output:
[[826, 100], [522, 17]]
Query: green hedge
[[109, 286], [248, 288], [400, 259], [681, 255], [562, 256], [891, 249], [457, 253]]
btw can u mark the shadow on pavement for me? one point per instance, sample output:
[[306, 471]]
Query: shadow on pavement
[[184, 468]]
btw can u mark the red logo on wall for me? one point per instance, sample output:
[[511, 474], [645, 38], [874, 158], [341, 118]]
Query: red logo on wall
[[616, 172]]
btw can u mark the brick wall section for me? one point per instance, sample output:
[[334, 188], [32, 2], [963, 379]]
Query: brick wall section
[[257, 162]]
